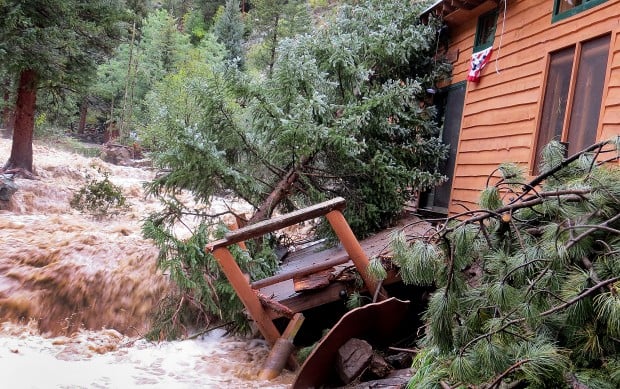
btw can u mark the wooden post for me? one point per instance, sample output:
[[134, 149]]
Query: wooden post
[[281, 353], [354, 249], [246, 294], [233, 226]]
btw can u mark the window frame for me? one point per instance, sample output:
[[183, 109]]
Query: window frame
[[478, 46], [557, 16], [567, 116]]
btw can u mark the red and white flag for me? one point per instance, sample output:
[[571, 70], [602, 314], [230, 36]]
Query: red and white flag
[[478, 62]]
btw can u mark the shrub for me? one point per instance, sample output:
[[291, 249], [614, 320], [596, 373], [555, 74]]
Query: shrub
[[99, 197]]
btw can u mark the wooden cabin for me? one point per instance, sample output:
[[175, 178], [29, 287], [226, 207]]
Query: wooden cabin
[[553, 73]]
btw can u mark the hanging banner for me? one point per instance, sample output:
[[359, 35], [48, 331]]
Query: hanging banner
[[478, 62]]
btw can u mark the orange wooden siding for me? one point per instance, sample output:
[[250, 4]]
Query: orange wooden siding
[[610, 118], [500, 114]]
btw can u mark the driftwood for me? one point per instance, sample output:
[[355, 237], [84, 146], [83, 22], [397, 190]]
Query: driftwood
[[397, 379]]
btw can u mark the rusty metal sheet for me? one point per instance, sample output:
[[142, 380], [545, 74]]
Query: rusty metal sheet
[[375, 323]]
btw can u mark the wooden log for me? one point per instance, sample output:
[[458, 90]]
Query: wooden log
[[396, 380], [330, 263], [275, 306], [276, 223]]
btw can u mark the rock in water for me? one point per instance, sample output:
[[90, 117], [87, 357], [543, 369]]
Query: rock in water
[[7, 187], [353, 358]]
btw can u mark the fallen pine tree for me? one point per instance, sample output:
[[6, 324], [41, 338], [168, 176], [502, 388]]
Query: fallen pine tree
[[528, 286]]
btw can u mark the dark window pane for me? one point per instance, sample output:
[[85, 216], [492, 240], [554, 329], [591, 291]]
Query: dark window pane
[[565, 5], [556, 96], [588, 94], [485, 31]]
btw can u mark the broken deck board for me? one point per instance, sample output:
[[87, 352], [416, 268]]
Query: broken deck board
[[316, 258]]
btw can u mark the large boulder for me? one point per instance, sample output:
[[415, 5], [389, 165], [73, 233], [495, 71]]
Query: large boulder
[[7, 187]]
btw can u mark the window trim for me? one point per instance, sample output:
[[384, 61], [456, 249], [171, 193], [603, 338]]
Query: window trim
[[481, 46], [557, 16]]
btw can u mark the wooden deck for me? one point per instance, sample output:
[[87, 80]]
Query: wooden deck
[[287, 293], [335, 260]]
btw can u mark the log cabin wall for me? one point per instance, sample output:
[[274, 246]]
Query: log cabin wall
[[502, 111]]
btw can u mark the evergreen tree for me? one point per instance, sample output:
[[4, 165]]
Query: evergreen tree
[[124, 81], [228, 29], [208, 9], [343, 114], [272, 21], [53, 44], [527, 286]]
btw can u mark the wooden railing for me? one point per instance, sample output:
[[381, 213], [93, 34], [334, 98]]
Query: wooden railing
[[332, 210]]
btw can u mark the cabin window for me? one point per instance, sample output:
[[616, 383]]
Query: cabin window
[[566, 8], [573, 95], [485, 32]]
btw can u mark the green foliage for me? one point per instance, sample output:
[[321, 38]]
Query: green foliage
[[203, 293], [175, 103], [355, 300], [228, 29], [271, 22], [99, 196], [62, 40], [340, 109], [376, 270], [543, 306], [125, 79]]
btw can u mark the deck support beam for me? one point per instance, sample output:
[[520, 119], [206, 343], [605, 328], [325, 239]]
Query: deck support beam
[[332, 210], [246, 294], [354, 249]]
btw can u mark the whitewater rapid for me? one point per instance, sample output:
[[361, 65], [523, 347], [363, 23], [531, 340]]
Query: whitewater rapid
[[67, 278]]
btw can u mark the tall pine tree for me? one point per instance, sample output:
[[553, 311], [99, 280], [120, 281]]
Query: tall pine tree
[[342, 115], [228, 29], [52, 44]]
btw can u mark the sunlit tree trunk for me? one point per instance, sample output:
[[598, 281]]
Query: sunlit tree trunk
[[83, 113], [23, 129]]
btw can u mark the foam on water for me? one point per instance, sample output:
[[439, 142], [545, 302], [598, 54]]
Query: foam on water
[[66, 276], [106, 359]]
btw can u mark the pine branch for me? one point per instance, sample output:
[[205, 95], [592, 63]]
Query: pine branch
[[592, 229], [567, 161], [512, 368], [567, 304], [581, 296], [522, 266]]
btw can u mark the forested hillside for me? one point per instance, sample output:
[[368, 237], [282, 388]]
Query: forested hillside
[[279, 104]]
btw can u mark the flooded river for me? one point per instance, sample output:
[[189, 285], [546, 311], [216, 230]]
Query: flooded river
[[76, 293]]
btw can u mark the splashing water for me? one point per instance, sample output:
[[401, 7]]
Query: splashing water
[[76, 293]]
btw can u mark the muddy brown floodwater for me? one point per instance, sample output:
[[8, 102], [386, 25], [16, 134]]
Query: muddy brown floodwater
[[76, 292]]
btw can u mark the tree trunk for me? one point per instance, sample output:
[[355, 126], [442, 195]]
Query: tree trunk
[[7, 112], [280, 191], [23, 129], [83, 113], [274, 44]]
